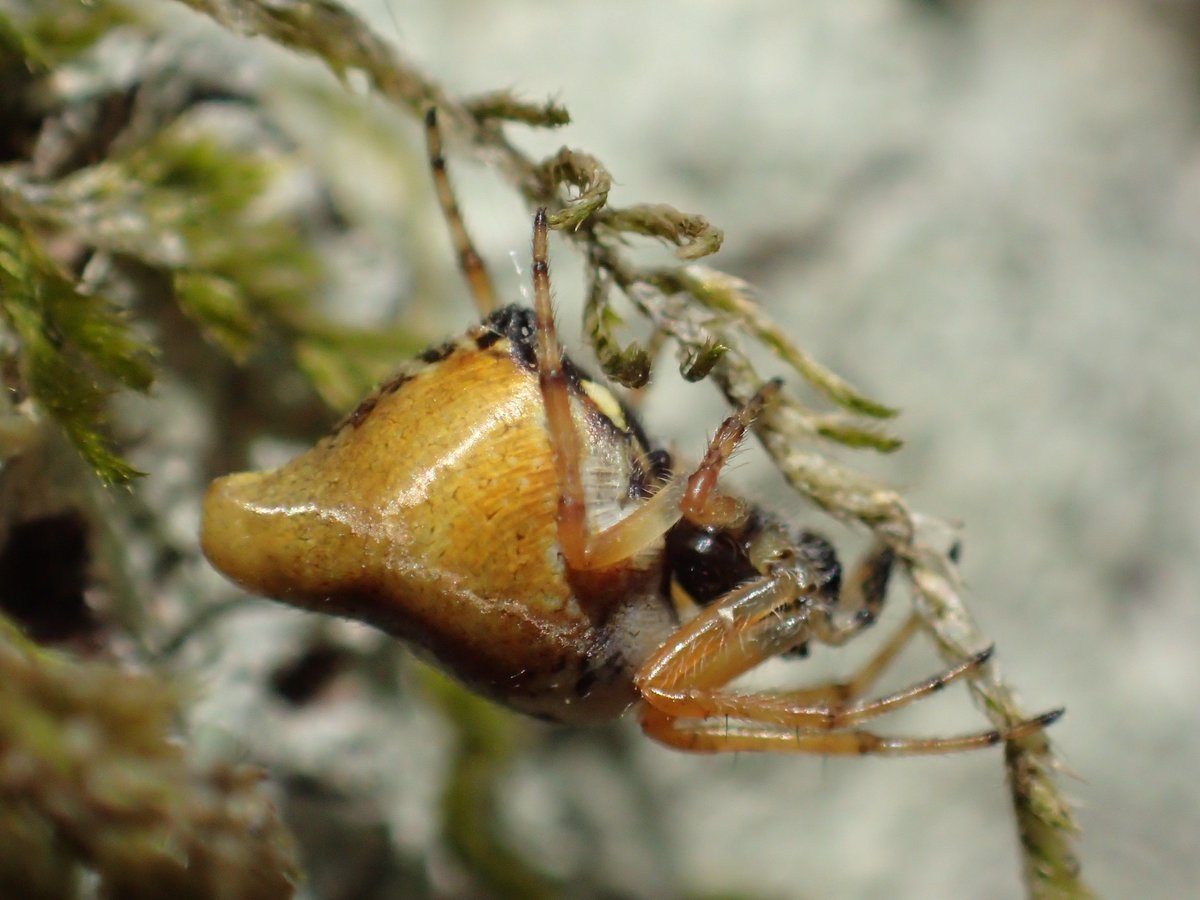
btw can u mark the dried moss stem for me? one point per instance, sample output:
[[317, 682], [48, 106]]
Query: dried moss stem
[[1045, 823]]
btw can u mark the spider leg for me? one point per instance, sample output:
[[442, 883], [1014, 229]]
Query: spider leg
[[747, 626], [648, 521], [718, 736], [840, 693], [469, 259], [805, 708], [701, 504], [687, 703]]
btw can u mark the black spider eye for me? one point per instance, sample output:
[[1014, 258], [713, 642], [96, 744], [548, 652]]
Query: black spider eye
[[706, 562]]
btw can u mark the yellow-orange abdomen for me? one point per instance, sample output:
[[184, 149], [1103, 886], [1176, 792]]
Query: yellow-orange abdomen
[[431, 513]]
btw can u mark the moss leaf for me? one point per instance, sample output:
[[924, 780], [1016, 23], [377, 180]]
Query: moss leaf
[[74, 348]]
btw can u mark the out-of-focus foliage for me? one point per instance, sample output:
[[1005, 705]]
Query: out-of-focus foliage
[[93, 782], [118, 193], [123, 201], [71, 345]]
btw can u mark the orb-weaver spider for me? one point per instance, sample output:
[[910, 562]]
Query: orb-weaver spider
[[504, 513]]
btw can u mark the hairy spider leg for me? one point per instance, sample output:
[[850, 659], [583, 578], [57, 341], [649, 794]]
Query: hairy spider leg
[[469, 260], [582, 548], [841, 693], [723, 736], [701, 504], [688, 705], [648, 521]]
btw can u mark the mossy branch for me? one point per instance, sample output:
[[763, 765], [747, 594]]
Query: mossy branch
[[572, 185], [1045, 822]]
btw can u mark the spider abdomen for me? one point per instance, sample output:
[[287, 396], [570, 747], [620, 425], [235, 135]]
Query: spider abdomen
[[430, 513]]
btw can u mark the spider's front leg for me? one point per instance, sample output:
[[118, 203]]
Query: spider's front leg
[[647, 522], [796, 597], [688, 704]]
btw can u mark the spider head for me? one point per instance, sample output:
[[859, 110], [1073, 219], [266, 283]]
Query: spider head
[[708, 561]]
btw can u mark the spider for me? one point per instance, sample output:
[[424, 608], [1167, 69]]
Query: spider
[[506, 515]]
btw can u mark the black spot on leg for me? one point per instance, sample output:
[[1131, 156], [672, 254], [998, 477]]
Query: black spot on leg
[[1049, 718], [469, 260], [437, 161]]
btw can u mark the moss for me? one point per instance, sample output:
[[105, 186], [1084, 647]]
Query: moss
[[74, 347], [93, 782]]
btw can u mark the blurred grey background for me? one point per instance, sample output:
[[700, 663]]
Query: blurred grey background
[[987, 214]]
